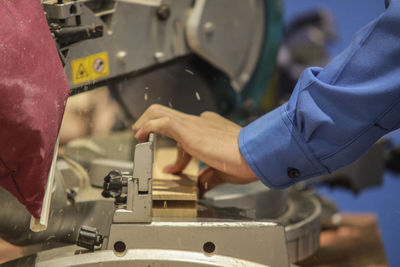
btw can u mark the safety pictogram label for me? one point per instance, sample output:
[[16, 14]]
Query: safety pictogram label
[[90, 68], [98, 65], [82, 72]]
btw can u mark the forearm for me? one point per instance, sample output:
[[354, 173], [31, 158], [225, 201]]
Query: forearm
[[334, 114]]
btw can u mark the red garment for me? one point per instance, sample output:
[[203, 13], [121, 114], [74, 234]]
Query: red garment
[[33, 93]]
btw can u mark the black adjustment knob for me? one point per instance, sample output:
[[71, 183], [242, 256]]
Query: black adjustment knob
[[293, 173], [105, 194], [89, 237], [112, 186]]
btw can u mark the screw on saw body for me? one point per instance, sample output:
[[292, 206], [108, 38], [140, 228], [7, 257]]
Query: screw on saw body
[[163, 12]]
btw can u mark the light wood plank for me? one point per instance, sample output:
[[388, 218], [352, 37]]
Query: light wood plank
[[174, 187], [174, 195], [174, 208]]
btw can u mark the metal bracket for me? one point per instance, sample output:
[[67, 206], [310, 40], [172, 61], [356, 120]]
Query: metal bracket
[[63, 10], [139, 201]]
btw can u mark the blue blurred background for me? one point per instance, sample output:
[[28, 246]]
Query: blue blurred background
[[384, 201]]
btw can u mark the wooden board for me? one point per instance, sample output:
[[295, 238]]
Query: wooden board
[[171, 208], [174, 195]]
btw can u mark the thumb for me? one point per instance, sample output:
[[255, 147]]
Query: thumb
[[182, 160]]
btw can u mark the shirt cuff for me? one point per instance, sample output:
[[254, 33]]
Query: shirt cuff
[[276, 152]]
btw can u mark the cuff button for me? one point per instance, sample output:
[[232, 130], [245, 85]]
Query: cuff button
[[293, 173]]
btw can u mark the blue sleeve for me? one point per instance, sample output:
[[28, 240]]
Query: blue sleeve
[[335, 113]]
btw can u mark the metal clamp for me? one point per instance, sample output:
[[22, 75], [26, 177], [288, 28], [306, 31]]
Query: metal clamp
[[134, 192]]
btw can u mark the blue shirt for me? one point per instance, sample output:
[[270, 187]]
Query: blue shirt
[[335, 113]]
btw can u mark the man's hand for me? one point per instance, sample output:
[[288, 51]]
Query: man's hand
[[210, 177], [208, 137]]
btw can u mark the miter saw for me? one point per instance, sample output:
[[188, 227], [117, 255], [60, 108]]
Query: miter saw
[[135, 237], [193, 55], [124, 231], [181, 51]]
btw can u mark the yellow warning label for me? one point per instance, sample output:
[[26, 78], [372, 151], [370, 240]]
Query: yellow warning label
[[89, 68]]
